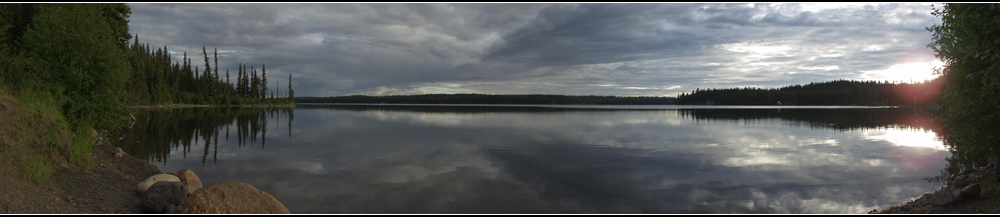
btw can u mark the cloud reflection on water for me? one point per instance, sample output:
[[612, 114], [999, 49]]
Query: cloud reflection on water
[[383, 161]]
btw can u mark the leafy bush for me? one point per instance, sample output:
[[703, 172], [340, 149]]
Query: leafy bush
[[966, 42]]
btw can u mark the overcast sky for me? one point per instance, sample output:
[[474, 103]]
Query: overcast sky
[[635, 49]]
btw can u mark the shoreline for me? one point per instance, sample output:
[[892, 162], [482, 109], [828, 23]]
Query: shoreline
[[107, 184], [983, 201], [212, 106]]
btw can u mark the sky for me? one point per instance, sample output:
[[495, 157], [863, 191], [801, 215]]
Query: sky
[[622, 49]]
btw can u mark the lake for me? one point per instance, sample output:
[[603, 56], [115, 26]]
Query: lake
[[352, 158]]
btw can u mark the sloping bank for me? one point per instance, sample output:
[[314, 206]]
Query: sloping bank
[[969, 192], [49, 169]]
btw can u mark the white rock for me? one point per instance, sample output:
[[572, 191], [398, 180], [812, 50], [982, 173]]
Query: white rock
[[155, 178]]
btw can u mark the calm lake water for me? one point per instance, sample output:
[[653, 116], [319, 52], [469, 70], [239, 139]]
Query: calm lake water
[[325, 158]]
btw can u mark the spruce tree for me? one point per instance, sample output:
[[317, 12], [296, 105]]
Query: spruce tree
[[254, 84], [216, 80], [207, 76], [263, 81], [246, 82]]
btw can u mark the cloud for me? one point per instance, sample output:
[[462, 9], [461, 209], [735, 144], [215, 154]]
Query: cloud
[[631, 49]]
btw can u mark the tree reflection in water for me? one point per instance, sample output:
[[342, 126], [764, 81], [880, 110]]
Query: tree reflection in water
[[157, 131]]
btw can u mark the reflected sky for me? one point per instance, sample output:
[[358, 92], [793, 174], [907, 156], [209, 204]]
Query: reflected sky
[[587, 161]]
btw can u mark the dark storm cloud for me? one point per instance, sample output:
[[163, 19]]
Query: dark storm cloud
[[605, 49]]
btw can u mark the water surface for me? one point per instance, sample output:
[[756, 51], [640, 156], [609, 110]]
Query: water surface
[[322, 158]]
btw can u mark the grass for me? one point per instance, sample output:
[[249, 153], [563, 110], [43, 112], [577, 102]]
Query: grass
[[81, 147], [988, 186], [38, 169], [38, 137]]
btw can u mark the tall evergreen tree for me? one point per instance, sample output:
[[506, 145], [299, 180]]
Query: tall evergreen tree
[[291, 93], [239, 79], [216, 80], [263, 81], [254, 84], [206, 77], [246, 82]]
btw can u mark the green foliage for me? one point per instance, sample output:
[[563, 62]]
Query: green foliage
[[38, 168], [968, 42], [156, 80], [81, 146], [72, 51]]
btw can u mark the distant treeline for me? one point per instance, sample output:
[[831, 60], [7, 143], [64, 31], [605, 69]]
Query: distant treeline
[[839, 92], [492, 99]]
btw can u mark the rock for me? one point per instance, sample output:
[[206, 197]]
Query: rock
[[153, 179], [230, 197], [159, 197], [971, 191], [960, 181], [170, 208], [944, 198], [119, 152], [190, 179]]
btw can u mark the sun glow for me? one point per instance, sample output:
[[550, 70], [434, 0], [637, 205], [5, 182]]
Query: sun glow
[[906, 72], [909, 138]]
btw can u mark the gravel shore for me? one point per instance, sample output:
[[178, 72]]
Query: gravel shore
[[107, 187]]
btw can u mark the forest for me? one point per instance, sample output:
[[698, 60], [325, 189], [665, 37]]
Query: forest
[[158, 80], [80, 55], [492, 99], [839, 92]]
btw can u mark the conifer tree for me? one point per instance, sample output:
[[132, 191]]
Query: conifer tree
[[216, 80], [291, 93], [239, 80], [263, 81], [246, 82], [254, 84], [207, 76]]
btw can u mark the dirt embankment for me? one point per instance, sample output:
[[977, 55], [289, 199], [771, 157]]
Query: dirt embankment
[[39, 177], [982, 199]]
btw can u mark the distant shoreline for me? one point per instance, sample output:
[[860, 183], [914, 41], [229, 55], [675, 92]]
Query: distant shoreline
[[208, 106], [670, 106]]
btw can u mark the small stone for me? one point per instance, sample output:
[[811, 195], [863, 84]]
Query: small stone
[[145, 184], [971, 192], [944, 198], [190, 179], [119, 152], [960, 181]]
